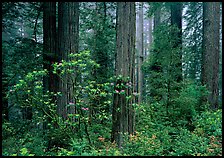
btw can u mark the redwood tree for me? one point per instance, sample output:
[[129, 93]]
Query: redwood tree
[[49, 38], [49, 48], [68, 28], [123, 113], [210, 54]]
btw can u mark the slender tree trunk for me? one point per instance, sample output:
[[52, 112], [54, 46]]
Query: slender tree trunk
[[150, 34], [147, 52], [140, 52], [157, 18], [123, 112], [156, 67], [5, 100], [68, 22], [210, 54], [220, 58]]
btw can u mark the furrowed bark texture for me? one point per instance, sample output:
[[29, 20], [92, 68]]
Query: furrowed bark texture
[[210, 54], [123, 112], [68, 28]]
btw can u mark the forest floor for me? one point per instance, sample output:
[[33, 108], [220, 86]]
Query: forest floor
[[158, 138]]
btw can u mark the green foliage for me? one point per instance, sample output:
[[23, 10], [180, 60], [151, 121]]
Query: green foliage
[[188, 144], [7, 129], [97, 33], [206, 139], [171, 122], [26, 139], [82, 147], [192, 41], [143, 145], [188, 103], [81, 62], [93, 99], [28, 92], [161, 68], [210, 123], [177, 100], [153, 7], [158, 134], [23, 152], [60, 131], [159, 137]]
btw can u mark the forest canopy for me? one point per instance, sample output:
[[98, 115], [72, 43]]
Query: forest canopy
[[111, 79]]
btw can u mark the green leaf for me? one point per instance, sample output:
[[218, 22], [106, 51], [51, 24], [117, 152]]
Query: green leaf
[[24, 151]]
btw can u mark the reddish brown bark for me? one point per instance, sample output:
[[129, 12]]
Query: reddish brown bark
[[123, 112], [210, 55]]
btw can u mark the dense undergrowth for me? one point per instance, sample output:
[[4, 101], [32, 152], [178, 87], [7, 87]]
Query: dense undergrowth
[[152, 137], [184, 128]]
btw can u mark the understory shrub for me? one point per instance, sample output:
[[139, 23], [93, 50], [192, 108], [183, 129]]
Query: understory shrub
[[25, 142], [209, 124]]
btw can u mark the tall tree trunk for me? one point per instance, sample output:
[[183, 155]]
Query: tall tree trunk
[[176, 20], [100, 52], [156, 66], [123, 112], [210, 54], [140, 50], [147, 52], [157, 18], [5, 109], [49, 49], [220, 58], [49, 38], [150, 34], [68, 28]]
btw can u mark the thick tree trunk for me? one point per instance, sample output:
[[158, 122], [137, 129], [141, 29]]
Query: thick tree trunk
[[49, 49], [123, 112], [68, 22], [210, 55], [49, 38]]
